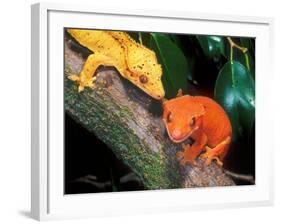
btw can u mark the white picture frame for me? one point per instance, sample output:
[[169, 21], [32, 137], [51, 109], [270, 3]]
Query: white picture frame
[[48, 201]]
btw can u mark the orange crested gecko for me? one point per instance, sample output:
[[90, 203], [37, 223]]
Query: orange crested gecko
[[201, 119], [133, 61]]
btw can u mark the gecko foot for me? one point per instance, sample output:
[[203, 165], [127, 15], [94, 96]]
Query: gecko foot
[[211, 155], [73, 77], [82, 83], [186, 155]]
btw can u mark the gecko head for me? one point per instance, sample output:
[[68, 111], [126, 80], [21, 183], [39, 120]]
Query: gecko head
[[182, 116], [147, 76]]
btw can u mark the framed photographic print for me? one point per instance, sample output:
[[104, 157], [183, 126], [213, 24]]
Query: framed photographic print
[[148, 111]]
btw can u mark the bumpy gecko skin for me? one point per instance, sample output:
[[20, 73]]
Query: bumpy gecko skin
[[201, 119], [133, 61]]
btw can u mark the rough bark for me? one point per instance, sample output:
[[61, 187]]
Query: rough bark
[[130, 123]]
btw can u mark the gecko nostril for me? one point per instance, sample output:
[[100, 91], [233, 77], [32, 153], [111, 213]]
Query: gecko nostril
[[176, 134]]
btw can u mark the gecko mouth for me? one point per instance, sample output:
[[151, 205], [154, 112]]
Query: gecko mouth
[[158, 96], [183, 138]]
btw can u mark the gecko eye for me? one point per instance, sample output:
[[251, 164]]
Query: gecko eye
[[143, 79], [169, 117], [192, 121]]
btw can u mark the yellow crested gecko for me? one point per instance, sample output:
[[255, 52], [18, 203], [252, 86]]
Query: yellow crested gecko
[[133, 61]]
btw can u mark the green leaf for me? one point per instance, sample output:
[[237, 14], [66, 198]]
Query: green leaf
[[188, 53], [212, 46], [235, 91], [173, 61], [176, 39]]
